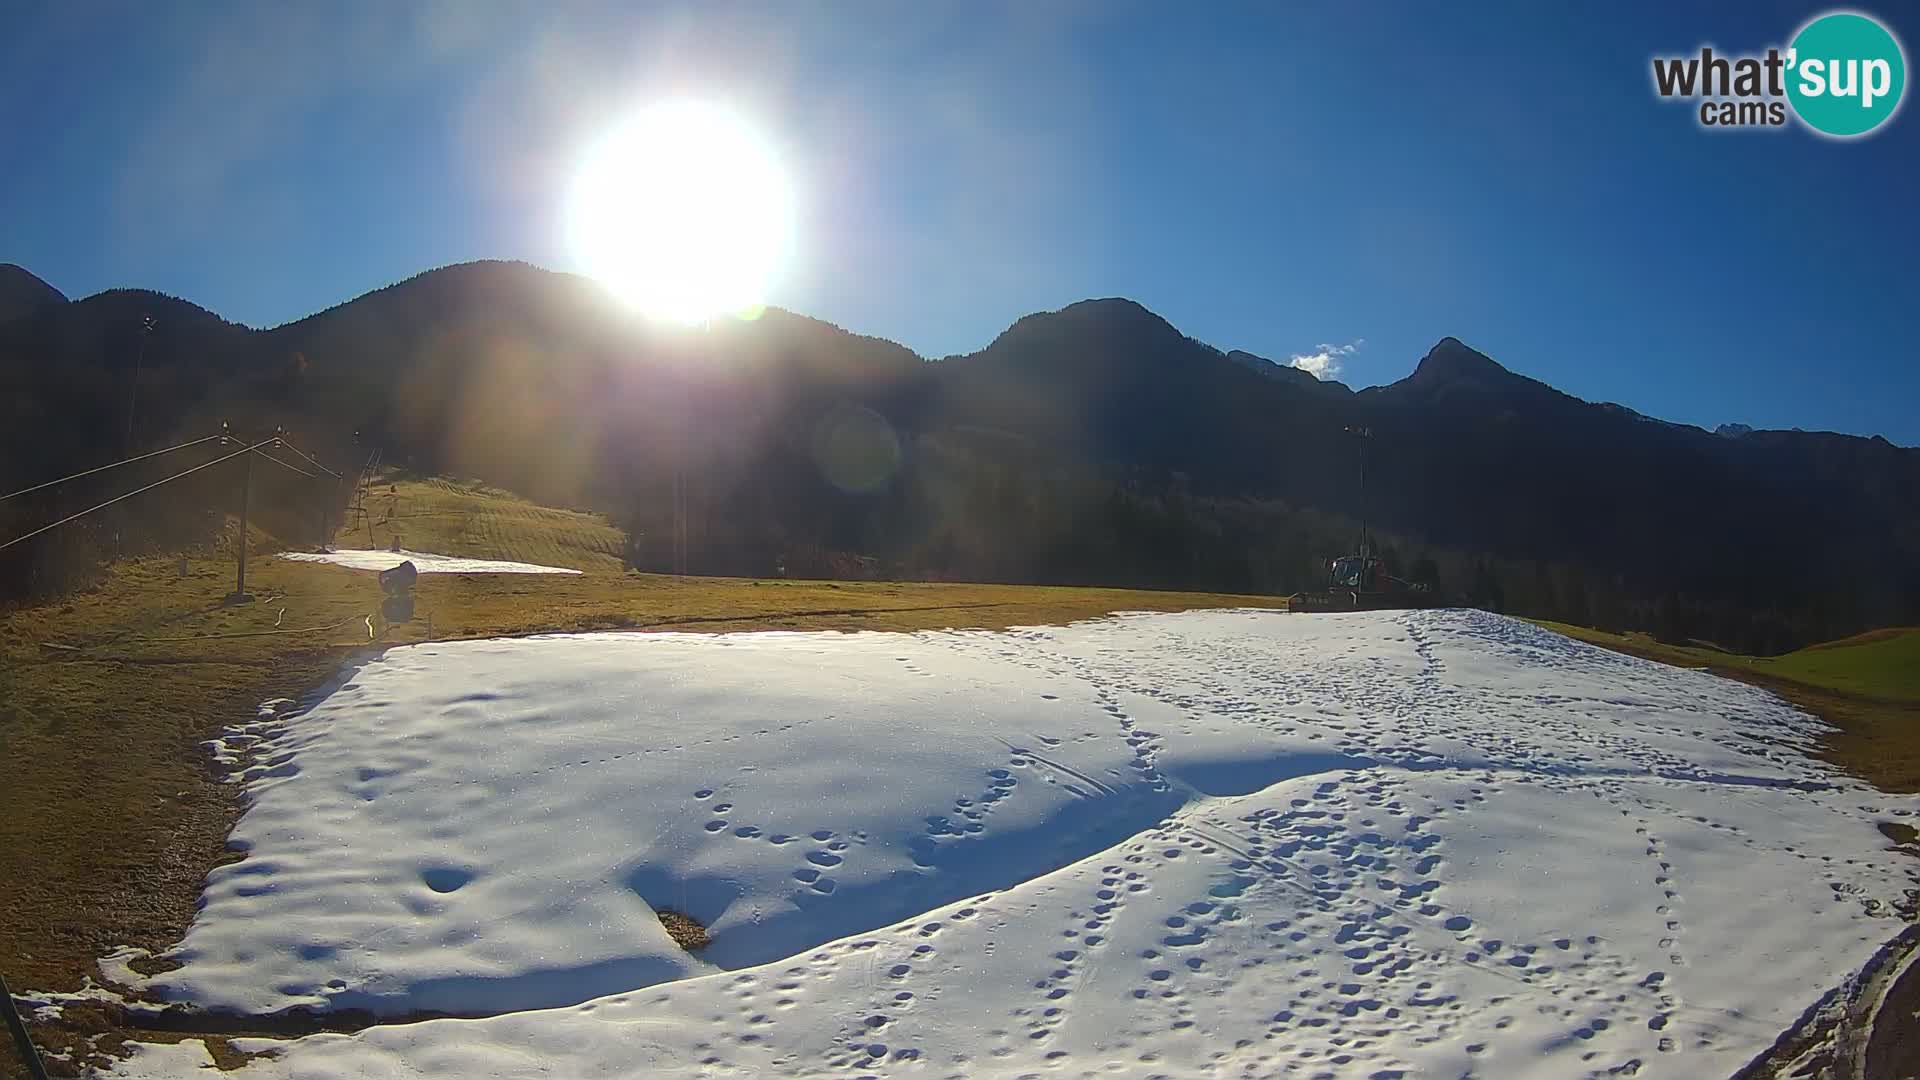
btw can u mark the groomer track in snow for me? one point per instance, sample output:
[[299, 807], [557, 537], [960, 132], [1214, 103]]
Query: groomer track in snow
[[1233, 843]]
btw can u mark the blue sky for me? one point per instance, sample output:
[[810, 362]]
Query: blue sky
[[1272, 177]]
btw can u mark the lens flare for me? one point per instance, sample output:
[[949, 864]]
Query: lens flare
[[856, 449], [683, 211]]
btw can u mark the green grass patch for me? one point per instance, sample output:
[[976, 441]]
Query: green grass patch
[[1880, 663]]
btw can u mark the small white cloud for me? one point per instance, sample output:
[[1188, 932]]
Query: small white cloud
[[1324, 361]]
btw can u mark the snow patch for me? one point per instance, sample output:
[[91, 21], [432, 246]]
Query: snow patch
[[166, 1061], [1215, 843], [424, 561]]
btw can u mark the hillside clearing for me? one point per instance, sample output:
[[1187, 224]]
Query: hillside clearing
[[469, 519]]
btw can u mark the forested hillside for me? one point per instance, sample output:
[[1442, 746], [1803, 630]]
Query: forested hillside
[[1092, 445]]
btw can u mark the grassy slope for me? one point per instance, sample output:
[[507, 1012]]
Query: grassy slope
[[1880, 663], [470, 519], [1867, 686], [110, 817]]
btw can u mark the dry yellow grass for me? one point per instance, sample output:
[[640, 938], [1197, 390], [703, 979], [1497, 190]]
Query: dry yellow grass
[[110, 816], [473, 520]]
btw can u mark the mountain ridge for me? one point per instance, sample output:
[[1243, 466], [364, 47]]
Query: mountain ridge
[[1092, 444], [1450, 360]]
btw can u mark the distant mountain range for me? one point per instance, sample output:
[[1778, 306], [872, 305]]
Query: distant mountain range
[[1096, 442]]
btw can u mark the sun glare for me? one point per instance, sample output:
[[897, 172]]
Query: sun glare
[[682, 211]]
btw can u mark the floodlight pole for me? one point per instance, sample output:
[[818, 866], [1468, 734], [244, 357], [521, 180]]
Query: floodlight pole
[[1365, 435], [240, 578], [133, 389]]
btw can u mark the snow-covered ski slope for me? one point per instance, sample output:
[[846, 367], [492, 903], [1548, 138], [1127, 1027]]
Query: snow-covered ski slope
[[426, 562], [1235, 843]]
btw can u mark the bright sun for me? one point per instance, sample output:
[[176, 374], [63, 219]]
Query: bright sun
[[682, 211]]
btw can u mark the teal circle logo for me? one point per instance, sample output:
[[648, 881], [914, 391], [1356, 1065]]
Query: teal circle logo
[[1845, 74]]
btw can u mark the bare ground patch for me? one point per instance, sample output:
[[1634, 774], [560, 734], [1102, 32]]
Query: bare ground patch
[[685, 930]]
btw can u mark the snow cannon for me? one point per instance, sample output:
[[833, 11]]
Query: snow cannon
[[397, 583], [1362, 583], [399, 579]]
